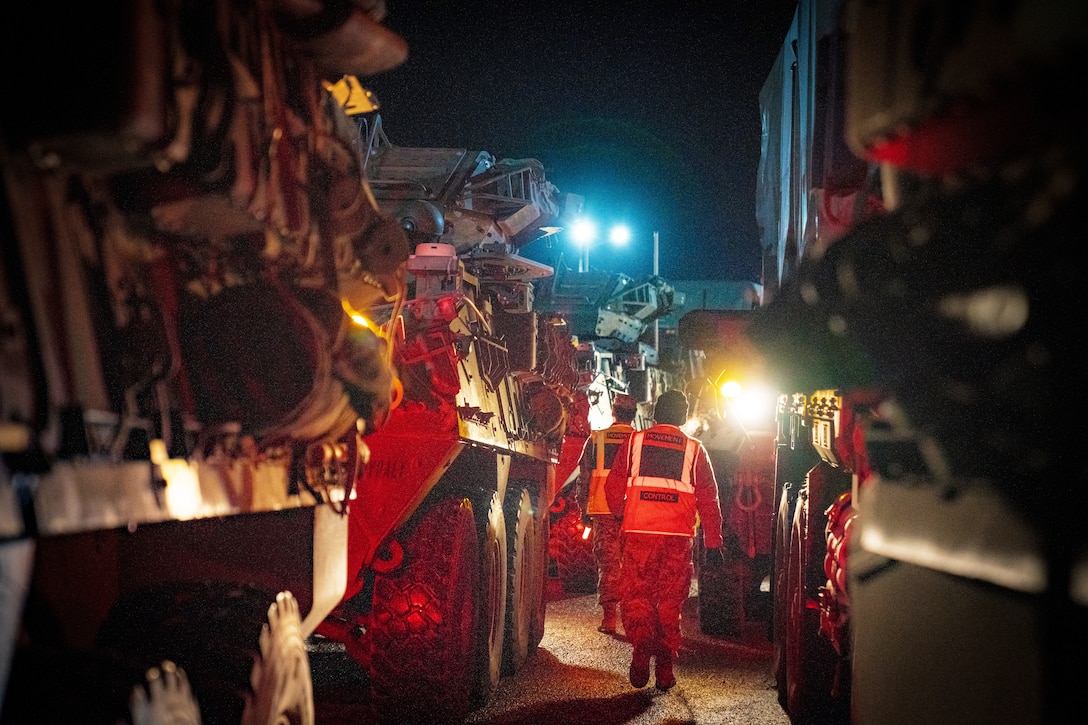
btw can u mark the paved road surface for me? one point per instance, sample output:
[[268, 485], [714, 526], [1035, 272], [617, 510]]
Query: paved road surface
[[579, 675]]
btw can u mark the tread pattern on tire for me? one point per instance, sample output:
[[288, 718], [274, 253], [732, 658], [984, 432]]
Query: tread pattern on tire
[[542, 532], [492, 603], [573, 555], [810, 658], [424, 618], [519, 571]]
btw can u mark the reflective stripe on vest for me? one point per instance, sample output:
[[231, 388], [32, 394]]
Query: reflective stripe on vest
[[660, 489], [606, 444]]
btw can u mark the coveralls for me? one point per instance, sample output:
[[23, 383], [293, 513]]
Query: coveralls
[[597, 455], [660, 479]]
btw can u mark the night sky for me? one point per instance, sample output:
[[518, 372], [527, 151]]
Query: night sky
[[651, 113]]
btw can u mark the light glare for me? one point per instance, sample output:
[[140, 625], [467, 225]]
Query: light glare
[[731, 389], [620, 234], [756, 406], [583, 231], [357, 317]]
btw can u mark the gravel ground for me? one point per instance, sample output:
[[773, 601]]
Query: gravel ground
[[579, 675]]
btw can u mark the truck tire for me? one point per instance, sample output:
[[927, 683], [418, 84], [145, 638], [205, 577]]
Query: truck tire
[[574, 562], [574, 555], [780, 592], [423, 621], [98, 689], [491, 629], [541, 533], [798, 685], [96, 683], [721, 596], [520, 574], [244, 657], [810, 658]]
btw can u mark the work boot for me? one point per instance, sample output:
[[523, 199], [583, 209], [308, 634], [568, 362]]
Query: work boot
[[608, 624], [640, 667], [663, 676]]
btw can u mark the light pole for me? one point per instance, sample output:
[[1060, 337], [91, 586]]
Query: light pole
[[657, 329]]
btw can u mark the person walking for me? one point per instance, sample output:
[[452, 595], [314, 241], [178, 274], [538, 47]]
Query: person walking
[[600, 448], [661, 484]]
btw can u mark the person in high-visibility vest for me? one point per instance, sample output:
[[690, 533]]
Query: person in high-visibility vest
[[597, 454], [660, 481]]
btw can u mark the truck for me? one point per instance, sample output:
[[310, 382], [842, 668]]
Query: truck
[[733, 415], [448, 539], [919, 190], [504, 366], [184, 396]]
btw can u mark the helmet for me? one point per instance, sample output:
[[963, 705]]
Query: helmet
[[671, 408]]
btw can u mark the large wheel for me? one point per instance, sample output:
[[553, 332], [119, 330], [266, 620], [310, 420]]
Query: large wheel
[[95, 685], [810, 658], [520, 579], [541, 531], [797, 687], [245, 659], [423, 621], [491, 630], [780, 590], [573, 553]]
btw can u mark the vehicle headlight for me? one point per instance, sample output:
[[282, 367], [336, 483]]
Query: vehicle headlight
[[754, 405]]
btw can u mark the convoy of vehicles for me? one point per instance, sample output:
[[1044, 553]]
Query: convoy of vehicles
[[271, 381], [922, 173]]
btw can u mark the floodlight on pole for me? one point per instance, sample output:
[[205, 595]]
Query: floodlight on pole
[[620, 234], [657, 330]]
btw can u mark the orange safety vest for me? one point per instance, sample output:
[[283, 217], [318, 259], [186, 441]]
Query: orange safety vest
[[660, 489], [606, 443]]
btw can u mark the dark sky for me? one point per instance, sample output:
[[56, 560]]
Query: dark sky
[[650, 112]]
